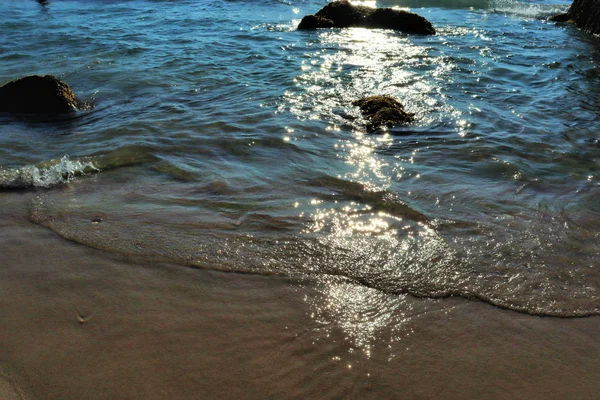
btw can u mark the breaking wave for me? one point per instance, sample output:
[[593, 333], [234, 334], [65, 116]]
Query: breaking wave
[[519, 8], [45, 174]]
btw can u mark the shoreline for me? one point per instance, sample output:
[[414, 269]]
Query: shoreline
[[87, 324], [224, 223]]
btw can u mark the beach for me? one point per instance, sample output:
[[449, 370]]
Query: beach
[[81, 323], [219, 220]]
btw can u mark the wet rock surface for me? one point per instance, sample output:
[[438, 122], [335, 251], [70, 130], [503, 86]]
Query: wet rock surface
[[383, 111], [37, 94], [562, 17], [583, 13], [342, 14]]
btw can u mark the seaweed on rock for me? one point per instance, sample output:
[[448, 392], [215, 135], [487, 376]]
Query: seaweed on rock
[[383, 111]]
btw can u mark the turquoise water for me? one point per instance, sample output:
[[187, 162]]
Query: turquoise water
[[222, 138]]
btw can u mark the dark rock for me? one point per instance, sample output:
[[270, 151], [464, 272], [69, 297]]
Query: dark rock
[[562, 17], [314, 22], [383, 111], [37, 94], [585, 14], [342, 14], [387, 18]]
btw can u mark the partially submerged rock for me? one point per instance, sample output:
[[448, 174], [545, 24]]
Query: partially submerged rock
[[342, 14], [562, 17], [37, 94], [383, 111], [586, 15]]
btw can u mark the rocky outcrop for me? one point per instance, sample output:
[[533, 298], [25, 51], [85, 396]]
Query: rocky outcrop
[[342, 14], [37, 94], [383, 111], [584, 13], [562, 17]]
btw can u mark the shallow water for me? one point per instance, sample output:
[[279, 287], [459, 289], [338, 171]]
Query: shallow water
[[222, 138]]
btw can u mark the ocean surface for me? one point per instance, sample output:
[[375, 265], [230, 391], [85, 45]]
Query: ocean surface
[[218, 137]]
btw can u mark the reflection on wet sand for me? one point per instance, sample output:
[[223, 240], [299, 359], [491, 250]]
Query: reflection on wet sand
[[162, 331]]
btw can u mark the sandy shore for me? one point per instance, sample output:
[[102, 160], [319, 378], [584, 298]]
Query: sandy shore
[[8, 391], [84, 324]]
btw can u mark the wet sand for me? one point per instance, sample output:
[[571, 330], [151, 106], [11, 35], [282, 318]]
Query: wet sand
[[79, 323], [8, 391]]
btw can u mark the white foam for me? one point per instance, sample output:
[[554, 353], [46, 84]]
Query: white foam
[[51, 174], [527, 10]]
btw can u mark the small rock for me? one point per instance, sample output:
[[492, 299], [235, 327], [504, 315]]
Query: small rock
[[37, 94], [383, 111]]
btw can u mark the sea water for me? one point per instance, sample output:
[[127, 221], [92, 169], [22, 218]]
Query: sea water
[[220, 137]]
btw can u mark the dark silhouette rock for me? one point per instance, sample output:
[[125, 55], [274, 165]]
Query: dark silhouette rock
[[583, 13], [342, 14], [383, 111], [314, 22], [37, 94], [586, 14], [388, 18], [562, 17]]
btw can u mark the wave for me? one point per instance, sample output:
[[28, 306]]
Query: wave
[[54, 172], [517, 266], [519, 8], [451, 4], [422, 265], [46, 174], [527, 10], [378, 200]]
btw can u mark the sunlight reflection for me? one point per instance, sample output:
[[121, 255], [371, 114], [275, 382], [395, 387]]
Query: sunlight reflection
[[367, 318], [368, 229], [369, 169], [349, 64]]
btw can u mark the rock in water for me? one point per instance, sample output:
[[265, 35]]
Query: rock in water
[[37, 94], [383, 111], [562, 17], [586, 14], [314, 22], [583, 13], [342, 14]]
